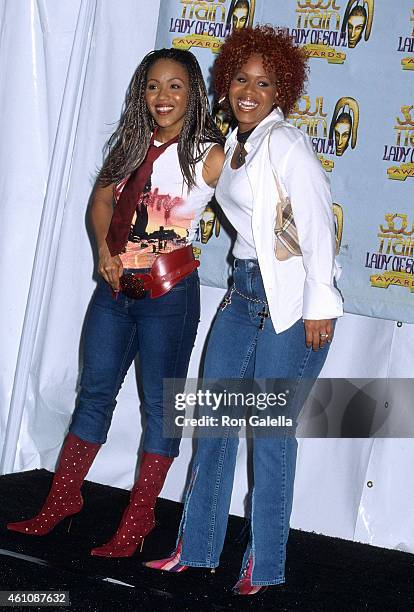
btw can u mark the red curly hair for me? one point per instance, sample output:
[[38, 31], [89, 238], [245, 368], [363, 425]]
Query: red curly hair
[[280, 56]]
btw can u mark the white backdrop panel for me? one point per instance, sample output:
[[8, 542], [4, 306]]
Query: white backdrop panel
[[36, 43], [24, 158]]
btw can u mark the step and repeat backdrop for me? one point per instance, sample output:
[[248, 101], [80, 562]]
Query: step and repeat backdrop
[[359, 113]]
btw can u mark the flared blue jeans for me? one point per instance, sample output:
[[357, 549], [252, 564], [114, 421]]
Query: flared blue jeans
[[239, 349]]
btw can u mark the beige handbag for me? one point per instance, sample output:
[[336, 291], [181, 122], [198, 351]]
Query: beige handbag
[[286, 233]]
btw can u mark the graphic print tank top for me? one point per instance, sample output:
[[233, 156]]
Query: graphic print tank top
[[167, 215]]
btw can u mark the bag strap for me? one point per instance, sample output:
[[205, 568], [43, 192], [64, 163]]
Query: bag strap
[[282, 196]]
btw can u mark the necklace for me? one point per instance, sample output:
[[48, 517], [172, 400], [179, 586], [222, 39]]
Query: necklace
[[242, 139]]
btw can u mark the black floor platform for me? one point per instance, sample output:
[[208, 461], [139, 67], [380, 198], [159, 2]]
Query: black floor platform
[[323, 574]]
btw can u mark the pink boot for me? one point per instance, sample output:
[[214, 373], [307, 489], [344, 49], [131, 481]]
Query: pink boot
[[244, 586], [170, 564]]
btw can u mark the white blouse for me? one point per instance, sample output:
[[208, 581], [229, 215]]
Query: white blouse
[[300, 286], [234, 193]]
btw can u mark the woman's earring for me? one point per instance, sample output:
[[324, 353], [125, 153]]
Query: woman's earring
[[221, 99]]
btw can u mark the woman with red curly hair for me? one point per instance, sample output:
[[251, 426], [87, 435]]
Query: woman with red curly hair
[[277, 320]]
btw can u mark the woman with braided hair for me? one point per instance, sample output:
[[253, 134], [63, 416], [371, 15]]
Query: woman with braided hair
[[277, 321], [163, 162]]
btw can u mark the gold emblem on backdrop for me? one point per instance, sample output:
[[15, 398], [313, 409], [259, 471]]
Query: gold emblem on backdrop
[[357, 21], [310, 116], [400, 279], [406, 45], [197, 252], [339, 225], [344, 124], [394, 258], [402, 151], [222, 120], [209, 224], [205, 24], [324, 31], [240, 14]]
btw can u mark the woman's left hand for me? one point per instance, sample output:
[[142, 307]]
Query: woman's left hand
[[318, 333]]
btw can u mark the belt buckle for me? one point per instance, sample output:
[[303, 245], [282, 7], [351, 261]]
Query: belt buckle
[[132, 286]]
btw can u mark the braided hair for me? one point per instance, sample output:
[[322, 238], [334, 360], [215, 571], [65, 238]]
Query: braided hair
[[128, 145]]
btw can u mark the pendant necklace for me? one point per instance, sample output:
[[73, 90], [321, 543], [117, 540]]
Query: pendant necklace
[[241, 139]]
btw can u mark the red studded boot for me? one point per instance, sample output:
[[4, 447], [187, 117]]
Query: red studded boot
[[138, 519], [64, 498]]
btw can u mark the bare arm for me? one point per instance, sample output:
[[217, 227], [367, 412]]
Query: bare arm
[[110, 268], [213, 165]]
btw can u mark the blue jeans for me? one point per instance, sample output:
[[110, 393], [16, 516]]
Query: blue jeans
[[161, 330], [239, 349]]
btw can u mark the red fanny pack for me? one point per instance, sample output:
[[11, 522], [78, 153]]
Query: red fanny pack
[[166, 271]]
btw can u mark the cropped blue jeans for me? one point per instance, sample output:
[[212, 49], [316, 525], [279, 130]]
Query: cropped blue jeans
[[239, 349], [161, 330]]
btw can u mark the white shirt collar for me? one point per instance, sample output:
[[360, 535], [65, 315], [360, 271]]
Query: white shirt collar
[[275, 115]]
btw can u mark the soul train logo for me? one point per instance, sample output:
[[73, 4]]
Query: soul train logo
[[343, 126], [321, 28], [406, 45], [402, 151], [395, 254], [205, 24]]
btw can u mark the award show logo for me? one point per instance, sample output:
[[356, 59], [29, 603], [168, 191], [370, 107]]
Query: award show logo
[[208, 227], [343, 127], [205, 24], [406, 45], [222, 120], [322, 29], [209, 224], [394, 256], [402, 151]]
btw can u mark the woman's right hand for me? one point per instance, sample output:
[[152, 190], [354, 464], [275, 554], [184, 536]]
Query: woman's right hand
[[110, 268]]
